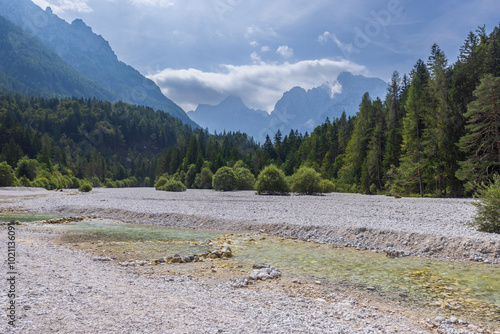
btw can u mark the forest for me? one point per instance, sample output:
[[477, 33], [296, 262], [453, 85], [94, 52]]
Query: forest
[[435, 134]]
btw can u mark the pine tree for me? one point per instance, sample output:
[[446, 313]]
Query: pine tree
[[394, 117], [356, 148], [410, 169], [482, 141], [437, 146]]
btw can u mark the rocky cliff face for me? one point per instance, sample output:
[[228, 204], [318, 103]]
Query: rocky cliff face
[[304, 110], [297, 109]]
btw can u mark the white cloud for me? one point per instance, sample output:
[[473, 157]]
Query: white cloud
[[259, 85], [265, 48], [254, 44], [255, 57], [285, 51], [61, 6], [328, 36]]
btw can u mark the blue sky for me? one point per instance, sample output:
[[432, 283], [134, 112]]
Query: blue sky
[[200, 51]]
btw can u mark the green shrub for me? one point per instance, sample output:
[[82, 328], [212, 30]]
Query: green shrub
[[109, 183], [172, 185], [94, 181], [24, 181], [487, 218], [41, 182], [85, 187], [306, 181], [224, 179], [28, 168], [7, 177], [272, 181], [244, 179], [161, 182], [203, 179], [327, 186], [75, 183]]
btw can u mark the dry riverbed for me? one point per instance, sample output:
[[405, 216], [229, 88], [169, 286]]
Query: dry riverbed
[[64, 287]]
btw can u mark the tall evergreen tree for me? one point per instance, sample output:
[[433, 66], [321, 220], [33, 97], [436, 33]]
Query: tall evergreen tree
[[482, 142], [410, 169]]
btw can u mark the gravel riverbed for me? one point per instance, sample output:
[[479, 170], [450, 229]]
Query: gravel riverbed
[[62, 290]]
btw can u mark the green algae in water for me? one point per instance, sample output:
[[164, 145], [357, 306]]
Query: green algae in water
[[145, 242], [26, 217], [454, 288]]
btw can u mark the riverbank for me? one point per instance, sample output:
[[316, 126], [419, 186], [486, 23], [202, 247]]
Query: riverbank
[[63, 290], [424, 227]]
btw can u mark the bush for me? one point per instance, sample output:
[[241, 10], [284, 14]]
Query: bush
[[24, 182], [172, 185], [306, 181], [327, 186], [85, 187], [203, 179], [224, 179], [28, 168], [487, 218], [272, 181], [7, 177], [161, 182], [245, 179]]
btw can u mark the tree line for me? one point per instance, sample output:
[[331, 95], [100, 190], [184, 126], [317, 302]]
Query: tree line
[[436, 133]]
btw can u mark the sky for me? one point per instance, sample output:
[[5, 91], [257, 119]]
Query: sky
[[201, 51]]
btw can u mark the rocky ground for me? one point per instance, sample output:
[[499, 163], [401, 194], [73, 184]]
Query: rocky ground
[[64, 290]]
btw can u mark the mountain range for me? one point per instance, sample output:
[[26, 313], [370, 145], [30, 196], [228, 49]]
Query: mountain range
[[297, 109], [87, 53], [41, 54]]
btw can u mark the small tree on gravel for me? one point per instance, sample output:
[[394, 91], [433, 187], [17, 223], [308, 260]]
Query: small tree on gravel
[[306, 181], [245, 178], [203, 180], [224, 179], [173, 185], [272, 181], [487, 218], [7, 177], [85, 187]]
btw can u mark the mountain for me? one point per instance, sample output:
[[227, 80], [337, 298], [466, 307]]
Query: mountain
[[89, 54], [223, 116], [304, 110], [297, 109], [30, 68]]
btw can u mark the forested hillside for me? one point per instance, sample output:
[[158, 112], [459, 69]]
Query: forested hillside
[[436, 134], [30, 68]]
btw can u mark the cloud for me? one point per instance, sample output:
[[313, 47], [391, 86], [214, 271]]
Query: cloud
[[61, 6], [255, 57], [254, 44], [259, 85], [265, 48], [285, 51], [329, 37]]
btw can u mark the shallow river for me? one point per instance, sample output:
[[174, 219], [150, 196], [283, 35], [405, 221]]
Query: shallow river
[[468, 290]]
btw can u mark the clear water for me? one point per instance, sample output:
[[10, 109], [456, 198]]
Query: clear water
[[461, 289], [26, 217]]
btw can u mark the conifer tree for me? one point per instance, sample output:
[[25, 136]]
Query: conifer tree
[[482, 141]]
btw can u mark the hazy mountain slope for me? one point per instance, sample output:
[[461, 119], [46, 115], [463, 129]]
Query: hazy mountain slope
[[297, 109], [230, 115], [90, 54], [304, 110], [28, 67]]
